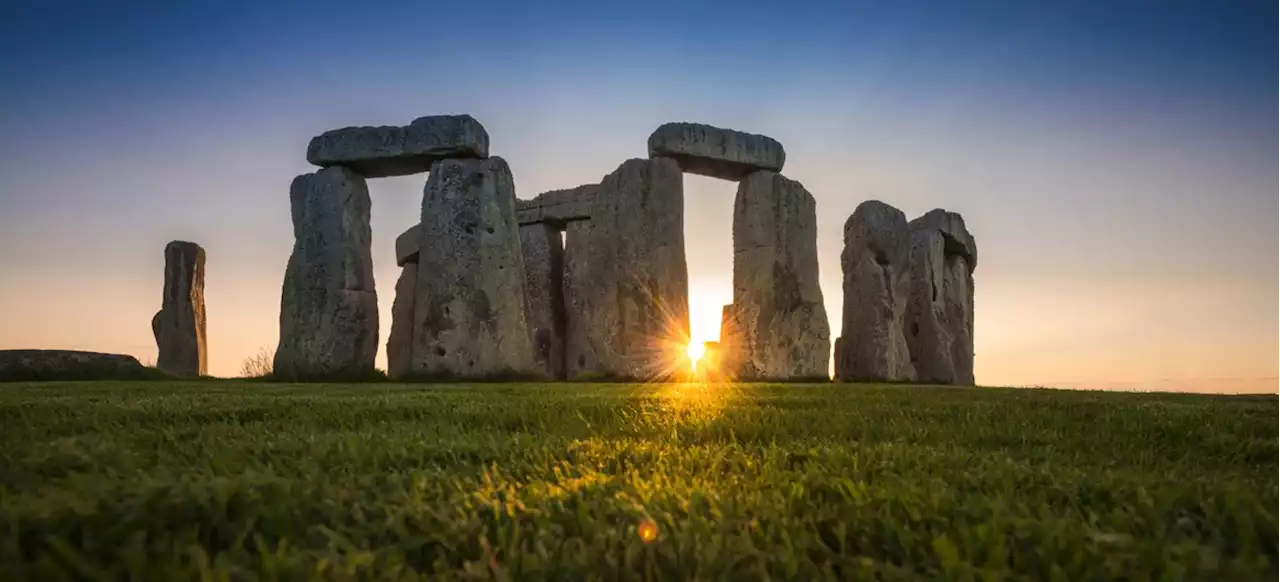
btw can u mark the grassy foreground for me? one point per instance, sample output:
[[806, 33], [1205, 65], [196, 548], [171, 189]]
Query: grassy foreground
[[247, 481]]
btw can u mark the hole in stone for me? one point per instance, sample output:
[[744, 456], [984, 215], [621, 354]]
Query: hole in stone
[[471, 363], [915, 329], [488, 229], [881, 258], [582, 361], [439, 351]]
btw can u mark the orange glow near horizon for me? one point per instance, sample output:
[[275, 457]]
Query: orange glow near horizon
[[695, 350]]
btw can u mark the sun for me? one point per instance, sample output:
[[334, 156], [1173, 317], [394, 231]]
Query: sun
[[696, 350]]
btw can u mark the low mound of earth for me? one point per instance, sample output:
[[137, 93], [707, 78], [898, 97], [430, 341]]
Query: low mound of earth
[[38, 365]]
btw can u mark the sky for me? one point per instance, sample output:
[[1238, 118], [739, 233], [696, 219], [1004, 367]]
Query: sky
[[1114, 160]]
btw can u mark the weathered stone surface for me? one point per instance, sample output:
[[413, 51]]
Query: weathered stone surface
[[399, 150], [876, 281], [837, 355], [939, 315], [626, 280], [544, 292], [716, 152], [36, 365], [328, 305], [179, 326], [776, 298], [470, 317], [400, 340], [407, 245], [731, 342], [557, 207]]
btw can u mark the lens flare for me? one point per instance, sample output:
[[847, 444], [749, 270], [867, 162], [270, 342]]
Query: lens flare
[[696, 350], [648, 531]]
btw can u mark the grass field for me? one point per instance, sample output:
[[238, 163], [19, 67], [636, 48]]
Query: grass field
[[247, 481]]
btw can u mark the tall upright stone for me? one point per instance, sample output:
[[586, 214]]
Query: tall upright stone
[[731, 342], [470, 314], [543, 290], [939, 315], [400, 340], [776, 297], [328, 304], [874, 261], [179, 326], [626, 279]]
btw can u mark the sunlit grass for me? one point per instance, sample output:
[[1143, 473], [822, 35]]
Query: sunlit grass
[[699, 480]]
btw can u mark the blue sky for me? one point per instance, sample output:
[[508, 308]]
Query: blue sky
[[1115, 160]]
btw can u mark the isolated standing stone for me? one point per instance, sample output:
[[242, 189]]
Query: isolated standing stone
[[470, 314], [626, 280], [776, 297], [939, 316], [543, 290], [712, 151], [876, 279], [388, 150], [179, 326], [328, 305], [400, 340]]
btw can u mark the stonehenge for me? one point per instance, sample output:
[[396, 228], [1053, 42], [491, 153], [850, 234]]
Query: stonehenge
[[939, 315], [908, 297], [544, 292], [715, 152], [875, 267], [470, 314], [592, 281], [328, 304], [179, 326], [776, 298], [378, 152]]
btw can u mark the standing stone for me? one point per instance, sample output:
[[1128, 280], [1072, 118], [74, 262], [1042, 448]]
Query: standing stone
[[776, 296], [382, 151], [328, 304], [716, 152], [470, 314], [626, 282], [400, 340], [731, 342], [876, 280], [543, 289], [939, 315], [179, 326]]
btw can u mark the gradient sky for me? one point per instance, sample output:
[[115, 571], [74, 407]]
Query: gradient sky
[[1115, 160]]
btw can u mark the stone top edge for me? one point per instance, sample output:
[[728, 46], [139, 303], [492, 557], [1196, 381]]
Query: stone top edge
[[681, 126], [426, 119]]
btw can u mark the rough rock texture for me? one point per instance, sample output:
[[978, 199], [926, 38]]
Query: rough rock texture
[[470, 315], [543, 290], [939, 315], [328, 304], [712, 151], [626, 280], [731, 342], [36, 365], [399, 150], [876, 281], [776, 297], [557, 207], [400, 340], [179, 326], [407, 245]]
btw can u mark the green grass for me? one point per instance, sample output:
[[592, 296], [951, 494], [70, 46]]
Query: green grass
[[254, 481]]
